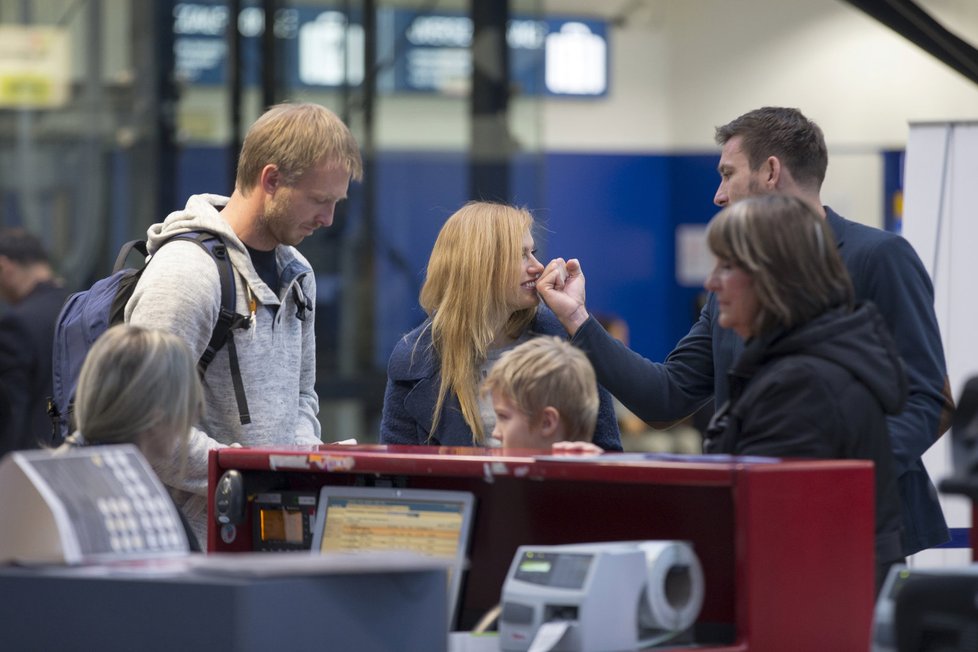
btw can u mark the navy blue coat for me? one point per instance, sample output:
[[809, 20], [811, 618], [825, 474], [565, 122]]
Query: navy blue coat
[[413, 380], [886, 271]]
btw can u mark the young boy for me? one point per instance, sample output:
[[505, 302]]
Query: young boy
[[545, 395]]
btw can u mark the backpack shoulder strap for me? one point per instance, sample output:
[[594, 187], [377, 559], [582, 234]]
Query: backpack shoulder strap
[[126, 281], [227, 318], [125, 250]]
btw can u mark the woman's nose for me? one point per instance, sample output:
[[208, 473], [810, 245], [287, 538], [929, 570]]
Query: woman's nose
[[711, 281]]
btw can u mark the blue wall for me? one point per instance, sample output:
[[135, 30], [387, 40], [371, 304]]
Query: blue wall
[[618, 215]]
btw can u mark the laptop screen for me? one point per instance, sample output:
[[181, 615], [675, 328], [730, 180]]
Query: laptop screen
[[432, 522]]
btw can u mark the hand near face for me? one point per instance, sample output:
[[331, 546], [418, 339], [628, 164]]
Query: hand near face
[[561, 286]]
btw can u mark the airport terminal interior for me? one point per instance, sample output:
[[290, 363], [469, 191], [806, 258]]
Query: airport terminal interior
[[599, 119]]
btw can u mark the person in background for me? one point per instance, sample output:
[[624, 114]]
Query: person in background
[[139, 386], [817, 376], [681, 437], [295, 165], [779, 150], [480, 297], [34, 296], [544, 395]]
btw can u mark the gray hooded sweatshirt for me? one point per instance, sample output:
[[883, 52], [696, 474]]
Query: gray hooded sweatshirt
[[180, 292]]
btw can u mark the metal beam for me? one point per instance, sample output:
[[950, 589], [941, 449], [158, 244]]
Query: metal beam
[[909, 20]]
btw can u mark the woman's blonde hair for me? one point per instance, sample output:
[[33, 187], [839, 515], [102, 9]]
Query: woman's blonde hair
[[135, 380], [789, 252], [549, 372], [471, 280]]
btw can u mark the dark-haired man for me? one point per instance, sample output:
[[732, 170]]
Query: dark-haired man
[[779, 150], [29, 287]]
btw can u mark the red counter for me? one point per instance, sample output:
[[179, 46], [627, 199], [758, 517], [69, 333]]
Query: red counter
[[786, 547]]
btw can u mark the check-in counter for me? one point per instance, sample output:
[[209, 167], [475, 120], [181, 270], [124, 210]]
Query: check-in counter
[[786, 547]]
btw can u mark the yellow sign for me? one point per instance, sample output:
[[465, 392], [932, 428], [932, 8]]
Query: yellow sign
[[35, 67]]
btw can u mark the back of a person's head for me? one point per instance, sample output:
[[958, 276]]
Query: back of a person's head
[[296, 138], [784, 133], [21, 246], [133, 381], [549, 372], [789, 252]]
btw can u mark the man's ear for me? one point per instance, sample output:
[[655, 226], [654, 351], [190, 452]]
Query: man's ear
[[549, 422], [771, 171], [270, 179]]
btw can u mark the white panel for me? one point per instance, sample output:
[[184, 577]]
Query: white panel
[[961, 264], [940, 222], [922, 185]]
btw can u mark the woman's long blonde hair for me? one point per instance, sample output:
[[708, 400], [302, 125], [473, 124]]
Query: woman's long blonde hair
[[472, 277]]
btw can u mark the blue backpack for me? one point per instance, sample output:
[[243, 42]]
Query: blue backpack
[[89, 313]]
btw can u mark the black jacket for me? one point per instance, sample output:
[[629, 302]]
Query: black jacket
[[821, 390], [26, 336]]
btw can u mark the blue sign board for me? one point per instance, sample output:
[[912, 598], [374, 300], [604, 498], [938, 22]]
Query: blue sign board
[[417, 52]]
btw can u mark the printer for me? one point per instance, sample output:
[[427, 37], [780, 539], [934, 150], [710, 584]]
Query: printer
[[599, 596]]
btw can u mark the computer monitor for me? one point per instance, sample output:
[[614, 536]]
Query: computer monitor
[[428, 521]]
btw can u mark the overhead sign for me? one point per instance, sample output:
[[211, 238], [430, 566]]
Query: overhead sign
[[35, 67], [416, 52]]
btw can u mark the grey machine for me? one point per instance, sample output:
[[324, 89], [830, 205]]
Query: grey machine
[[599, 596]]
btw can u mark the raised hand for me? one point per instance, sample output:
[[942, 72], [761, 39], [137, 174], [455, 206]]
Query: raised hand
[[561, 286]]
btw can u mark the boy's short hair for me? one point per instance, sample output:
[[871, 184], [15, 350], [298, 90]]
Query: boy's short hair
[[547, 371]]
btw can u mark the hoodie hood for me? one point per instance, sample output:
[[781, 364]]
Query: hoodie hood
[[202, 213], [857, 341]]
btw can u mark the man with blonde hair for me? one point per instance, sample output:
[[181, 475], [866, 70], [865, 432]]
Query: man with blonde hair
[[543, 392], [295, 165]]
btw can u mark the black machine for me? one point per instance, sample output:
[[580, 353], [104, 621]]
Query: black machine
[[964, 444], [936, 610], [283, 520]]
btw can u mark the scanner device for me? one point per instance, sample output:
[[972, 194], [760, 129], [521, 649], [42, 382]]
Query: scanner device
[[230, 499], [599, 596]]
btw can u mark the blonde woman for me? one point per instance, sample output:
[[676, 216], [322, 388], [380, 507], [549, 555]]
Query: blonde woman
[[481, 301], [139, 386]]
